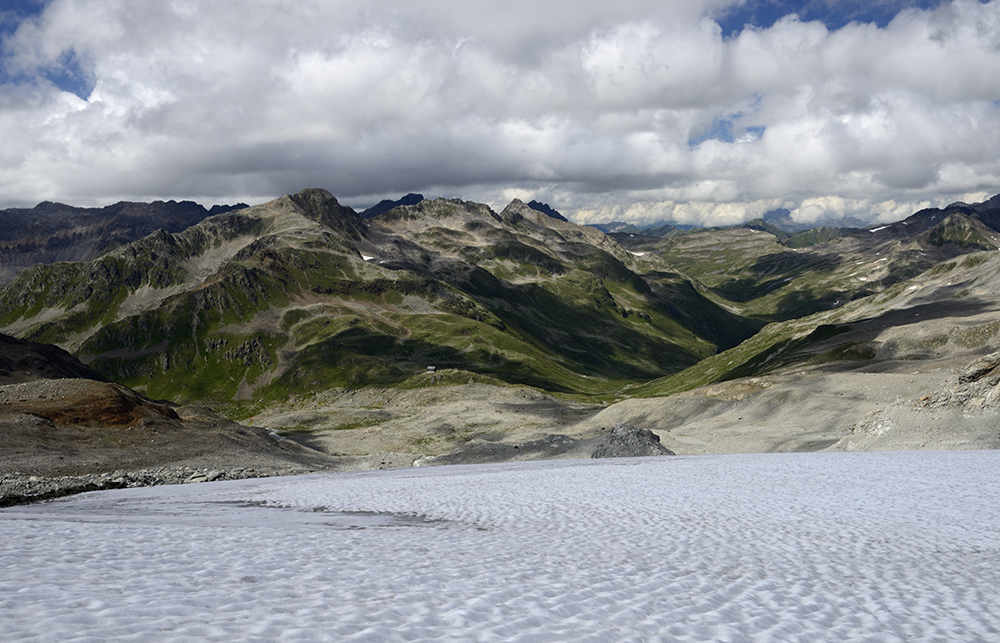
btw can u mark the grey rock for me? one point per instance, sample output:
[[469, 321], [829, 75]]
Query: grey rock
[[980, 368], [17, 488], [626, 441]]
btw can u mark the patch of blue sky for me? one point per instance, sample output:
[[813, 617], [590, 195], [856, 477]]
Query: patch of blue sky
[[721, 130], [14, 12], [726, 129], [69, 73], [832, 13]]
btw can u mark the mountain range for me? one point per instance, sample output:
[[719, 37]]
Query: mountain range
[[348, 331], [52, 232]]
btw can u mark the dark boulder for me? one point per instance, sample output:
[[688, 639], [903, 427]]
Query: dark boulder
[[626, 441]]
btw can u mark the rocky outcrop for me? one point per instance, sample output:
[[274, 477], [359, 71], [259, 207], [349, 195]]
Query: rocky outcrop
[[626, 441], [976, 387], [981, 368], [65, 429]]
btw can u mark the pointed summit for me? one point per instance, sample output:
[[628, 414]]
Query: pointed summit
[[321, 206]]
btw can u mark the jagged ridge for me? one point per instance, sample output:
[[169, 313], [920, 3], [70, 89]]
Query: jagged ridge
[[303, 294]]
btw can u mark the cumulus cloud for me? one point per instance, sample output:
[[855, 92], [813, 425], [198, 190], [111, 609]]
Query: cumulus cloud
[[638, 109]]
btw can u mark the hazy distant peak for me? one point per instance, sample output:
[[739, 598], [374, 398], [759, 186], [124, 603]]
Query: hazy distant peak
[[546, 209], [387, 204], [225, 207]]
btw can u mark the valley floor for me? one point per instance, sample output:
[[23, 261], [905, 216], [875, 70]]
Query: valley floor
[[891, 546]]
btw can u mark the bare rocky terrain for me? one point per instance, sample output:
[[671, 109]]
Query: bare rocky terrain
[[63, 429], [893, 406]]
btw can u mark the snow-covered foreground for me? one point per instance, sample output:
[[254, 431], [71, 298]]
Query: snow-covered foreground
[[839, 546]]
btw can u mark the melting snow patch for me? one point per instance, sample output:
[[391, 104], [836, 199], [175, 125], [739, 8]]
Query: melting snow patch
[[367, 257], [638, 254], [767, 547], [879, 228]]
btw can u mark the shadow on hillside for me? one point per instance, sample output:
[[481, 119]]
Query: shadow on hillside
[[587, 329], [771, 271], [967, 307]]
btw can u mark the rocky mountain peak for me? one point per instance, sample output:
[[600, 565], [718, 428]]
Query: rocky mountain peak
[[545, 208], [518, 211], [321, 206]]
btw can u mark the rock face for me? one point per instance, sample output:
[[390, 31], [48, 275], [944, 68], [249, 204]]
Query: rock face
[[626, 441], [976, 387]]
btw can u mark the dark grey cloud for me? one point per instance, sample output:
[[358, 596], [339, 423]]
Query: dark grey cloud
[[637, 109]]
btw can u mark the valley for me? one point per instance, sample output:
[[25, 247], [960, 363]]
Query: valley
[[438, 328]]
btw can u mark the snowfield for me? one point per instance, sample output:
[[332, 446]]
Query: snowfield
[[796, 547]]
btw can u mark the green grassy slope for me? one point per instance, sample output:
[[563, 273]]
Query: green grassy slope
[[301, 295]]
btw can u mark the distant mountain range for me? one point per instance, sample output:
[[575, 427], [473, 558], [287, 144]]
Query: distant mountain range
[[412, 199], [776, 221], [658, 229], [52, 232]]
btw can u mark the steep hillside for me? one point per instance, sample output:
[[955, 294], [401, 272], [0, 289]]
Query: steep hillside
[[302, 294], [52, 232]]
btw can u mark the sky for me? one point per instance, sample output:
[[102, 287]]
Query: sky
[[694, 111]]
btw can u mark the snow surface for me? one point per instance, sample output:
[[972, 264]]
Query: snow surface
[[775, 547]]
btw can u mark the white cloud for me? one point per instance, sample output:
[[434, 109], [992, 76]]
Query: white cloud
[[635, 109]]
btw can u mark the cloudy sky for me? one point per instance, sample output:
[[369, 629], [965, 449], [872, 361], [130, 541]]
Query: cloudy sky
[[708, 111]]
